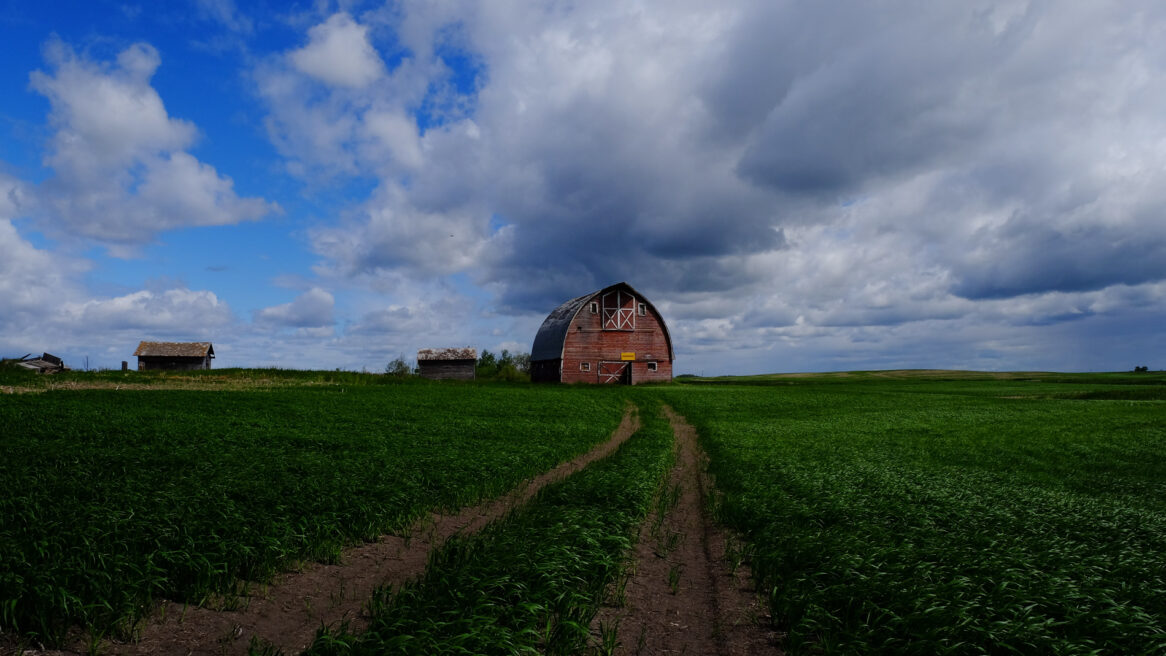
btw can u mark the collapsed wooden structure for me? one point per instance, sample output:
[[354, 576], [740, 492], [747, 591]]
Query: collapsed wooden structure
[[47, 363]]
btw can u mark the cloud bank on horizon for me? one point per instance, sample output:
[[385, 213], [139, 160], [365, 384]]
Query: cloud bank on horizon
[[795, 186]]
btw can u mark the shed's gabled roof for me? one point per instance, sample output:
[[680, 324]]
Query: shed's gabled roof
[[447, 354], [176, 349], [552, 335]]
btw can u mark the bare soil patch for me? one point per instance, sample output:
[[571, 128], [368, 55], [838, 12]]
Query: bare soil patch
[[683, 597], [287, 612]]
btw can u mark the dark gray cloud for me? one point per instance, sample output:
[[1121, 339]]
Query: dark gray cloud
[[773, 173], [881, 93], [1028, 258]]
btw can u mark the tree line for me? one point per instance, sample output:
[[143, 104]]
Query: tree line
[[503, 366]]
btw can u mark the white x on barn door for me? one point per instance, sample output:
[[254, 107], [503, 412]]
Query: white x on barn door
[[612, 372], [619, 311]]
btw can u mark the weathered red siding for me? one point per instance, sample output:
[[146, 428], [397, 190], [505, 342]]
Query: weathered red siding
[[587, 341]]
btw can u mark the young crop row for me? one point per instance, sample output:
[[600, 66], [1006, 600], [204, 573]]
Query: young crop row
[[115, 499], [12, 375], [531, 583], [887, 518]]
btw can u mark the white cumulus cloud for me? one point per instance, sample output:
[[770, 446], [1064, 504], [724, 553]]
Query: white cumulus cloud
[[312, 309], [173, 313], [339, 53], [121, 170]]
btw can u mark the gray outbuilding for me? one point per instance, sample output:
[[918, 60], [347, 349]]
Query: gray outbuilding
[[447, 363], [174, 356]]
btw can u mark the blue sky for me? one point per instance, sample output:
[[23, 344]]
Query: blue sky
[[797, 187]]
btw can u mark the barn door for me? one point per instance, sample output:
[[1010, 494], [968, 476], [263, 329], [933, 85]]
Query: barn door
[[619, 311], [616, 373]]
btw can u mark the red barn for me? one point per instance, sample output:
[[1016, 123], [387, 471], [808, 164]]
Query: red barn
[[613, 335]]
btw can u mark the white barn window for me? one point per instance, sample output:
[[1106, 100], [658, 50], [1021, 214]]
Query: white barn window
[[584, 366], [651, 366]]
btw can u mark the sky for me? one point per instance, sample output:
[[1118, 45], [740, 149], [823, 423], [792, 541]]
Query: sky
[[795, 186]]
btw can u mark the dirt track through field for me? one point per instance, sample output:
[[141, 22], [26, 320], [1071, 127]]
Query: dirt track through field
[[287, 612], [683, 597]]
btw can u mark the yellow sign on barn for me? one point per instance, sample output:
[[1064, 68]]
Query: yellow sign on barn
[[627, 356]]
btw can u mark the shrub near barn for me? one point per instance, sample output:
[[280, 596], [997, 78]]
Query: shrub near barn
[[504, 366]]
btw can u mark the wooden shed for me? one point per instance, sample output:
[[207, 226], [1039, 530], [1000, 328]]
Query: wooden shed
[[613, 335], [447, 363], [175, 356]]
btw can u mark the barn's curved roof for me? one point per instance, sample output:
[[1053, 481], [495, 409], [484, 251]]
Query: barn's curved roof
[[552, 335]]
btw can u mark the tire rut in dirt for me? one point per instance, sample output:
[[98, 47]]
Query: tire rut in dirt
[[287, 613], [682, 597]]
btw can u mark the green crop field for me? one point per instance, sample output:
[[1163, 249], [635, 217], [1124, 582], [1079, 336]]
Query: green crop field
[[531, 583], [115, 498], [881, 512], [900, 515]]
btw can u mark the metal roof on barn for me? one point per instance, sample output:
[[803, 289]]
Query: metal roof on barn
[[175, 349], [548, 342], [552, 334]]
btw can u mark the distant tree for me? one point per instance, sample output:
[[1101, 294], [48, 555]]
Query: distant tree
[[522, 363], [399, 367], [1141, 369], [504, 366], [487, 366], [507, 369]]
